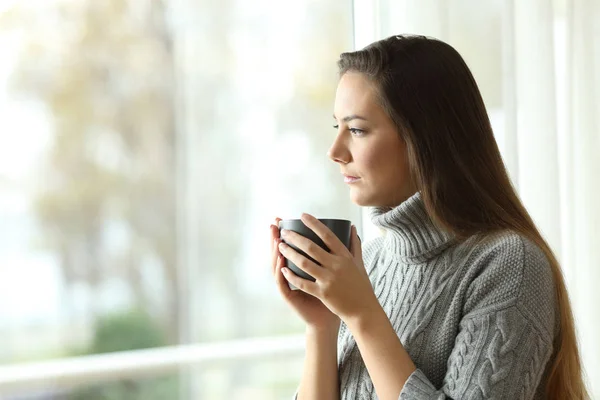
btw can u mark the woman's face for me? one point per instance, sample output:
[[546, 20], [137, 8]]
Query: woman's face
[[368, 146]]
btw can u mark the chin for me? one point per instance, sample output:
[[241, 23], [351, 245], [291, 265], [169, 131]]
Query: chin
[[365, 201]]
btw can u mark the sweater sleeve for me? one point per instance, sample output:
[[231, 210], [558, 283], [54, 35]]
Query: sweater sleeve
[[503, 345]]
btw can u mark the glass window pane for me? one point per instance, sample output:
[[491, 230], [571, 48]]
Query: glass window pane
[[145, 147]]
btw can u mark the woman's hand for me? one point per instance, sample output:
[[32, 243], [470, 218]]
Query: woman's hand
[[316, 315], [342, 283]]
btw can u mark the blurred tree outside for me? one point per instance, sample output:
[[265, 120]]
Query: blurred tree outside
[[130, 330], [108, 81]]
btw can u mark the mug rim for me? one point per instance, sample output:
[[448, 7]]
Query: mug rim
[[320, 219]]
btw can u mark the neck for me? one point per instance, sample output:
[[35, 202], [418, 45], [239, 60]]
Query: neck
[[410, 234]]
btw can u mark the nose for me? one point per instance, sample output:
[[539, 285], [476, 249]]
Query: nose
[[338, 152]]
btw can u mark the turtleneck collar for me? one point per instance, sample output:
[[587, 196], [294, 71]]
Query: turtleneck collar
[[410, 235]]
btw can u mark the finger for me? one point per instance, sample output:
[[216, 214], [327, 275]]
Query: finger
[[302, 262], [276, 225], [274, 254], [356, 250], [355, 244], [274, 230], [282, 284], [327, 236], [305, 285], [309, 247], [274, 241], [274, 250]]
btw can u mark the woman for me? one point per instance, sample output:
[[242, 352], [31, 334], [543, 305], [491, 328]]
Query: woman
[[461, 298]]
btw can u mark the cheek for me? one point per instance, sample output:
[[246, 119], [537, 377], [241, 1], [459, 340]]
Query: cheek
[[370, 162], [384, 161], [388, 166]]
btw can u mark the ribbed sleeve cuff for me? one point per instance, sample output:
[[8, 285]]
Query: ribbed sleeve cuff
[[418, 387]]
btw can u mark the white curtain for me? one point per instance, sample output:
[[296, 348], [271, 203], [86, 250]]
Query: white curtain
[[556, 49], [538, 65]]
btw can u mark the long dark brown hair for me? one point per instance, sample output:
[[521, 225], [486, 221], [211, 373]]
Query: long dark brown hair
[[429, 92]]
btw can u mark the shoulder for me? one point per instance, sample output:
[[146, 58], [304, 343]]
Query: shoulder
[[505, 257], [507, 269]]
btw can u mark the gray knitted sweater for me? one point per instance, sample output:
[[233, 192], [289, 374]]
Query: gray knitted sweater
[[477, 318]]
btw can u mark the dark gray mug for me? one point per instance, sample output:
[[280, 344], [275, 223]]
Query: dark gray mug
[[340, 227]]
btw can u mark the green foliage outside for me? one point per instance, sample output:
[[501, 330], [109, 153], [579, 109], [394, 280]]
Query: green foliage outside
[[131, 330]]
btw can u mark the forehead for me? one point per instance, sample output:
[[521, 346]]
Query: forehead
[[355, 95]]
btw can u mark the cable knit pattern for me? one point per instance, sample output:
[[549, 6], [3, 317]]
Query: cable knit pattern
[[477, 317]]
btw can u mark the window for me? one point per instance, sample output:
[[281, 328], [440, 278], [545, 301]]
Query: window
[[144, 149]]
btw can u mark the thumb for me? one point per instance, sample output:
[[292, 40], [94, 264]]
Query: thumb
[[356, 246]]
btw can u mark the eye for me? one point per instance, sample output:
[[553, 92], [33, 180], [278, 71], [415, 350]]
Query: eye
[[357, 132]]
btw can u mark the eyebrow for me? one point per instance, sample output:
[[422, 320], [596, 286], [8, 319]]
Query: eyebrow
[[350, 118]]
